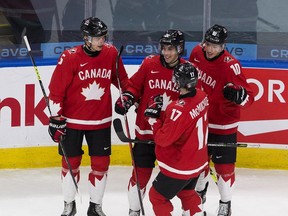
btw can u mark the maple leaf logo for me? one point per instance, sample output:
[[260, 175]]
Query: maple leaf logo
[[54, 107], [166, 101], [93, 92]]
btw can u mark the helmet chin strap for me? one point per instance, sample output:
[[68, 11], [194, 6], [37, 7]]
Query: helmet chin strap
[[88, 43], [174, 63], [170, 65], [89, 50]]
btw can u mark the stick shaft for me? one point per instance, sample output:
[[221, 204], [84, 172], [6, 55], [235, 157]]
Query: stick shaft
[[47, 104], [128, 132], [37, 73]]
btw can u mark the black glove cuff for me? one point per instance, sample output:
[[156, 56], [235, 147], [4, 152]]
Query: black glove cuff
[[242, 94], [129, 95], [59, 124], [153, 113]]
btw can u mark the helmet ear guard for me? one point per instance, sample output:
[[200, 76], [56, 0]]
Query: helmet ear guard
[[180, 49], [185, 75], [87, 38]]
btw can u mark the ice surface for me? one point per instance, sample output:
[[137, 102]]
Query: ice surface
[[29, 192]]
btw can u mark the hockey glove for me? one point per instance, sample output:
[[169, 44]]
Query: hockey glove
[[154, 106], [57, 128], [234, 93], [128, 101]]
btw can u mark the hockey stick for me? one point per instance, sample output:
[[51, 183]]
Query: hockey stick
[[37, 73], [121, 135], [48, 106], [231, 145], [250, 145], [213, 175], [128, 132], [69, 167]]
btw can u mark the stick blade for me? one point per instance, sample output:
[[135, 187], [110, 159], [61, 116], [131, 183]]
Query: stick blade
[[119, 130], [122, 136]]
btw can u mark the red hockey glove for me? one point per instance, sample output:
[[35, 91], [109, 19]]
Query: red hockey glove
[[57, 128], [234, 93], [154, 106], [128, 101]]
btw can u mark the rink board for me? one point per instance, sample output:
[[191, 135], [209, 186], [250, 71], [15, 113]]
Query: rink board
[[25, 143], [35, 157]]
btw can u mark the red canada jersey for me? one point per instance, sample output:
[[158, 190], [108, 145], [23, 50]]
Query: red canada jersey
[[152, 78], [80, 87], [223, 115], [181, 137]]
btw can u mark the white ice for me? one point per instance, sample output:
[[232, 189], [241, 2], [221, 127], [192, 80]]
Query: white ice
[[29, 192]]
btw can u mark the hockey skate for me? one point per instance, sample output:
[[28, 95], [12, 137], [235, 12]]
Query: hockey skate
[[202, 193], [95, 210], [134, 213], [224, 208], [69, 209]]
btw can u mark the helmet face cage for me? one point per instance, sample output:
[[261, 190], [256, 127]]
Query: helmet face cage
[[185, 75], [216, 34], [93, 27], [174, 38]]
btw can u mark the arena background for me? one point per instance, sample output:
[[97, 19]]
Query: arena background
[[257, 37]]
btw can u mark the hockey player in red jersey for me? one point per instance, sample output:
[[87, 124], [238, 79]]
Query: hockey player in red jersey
[[80, 98], [153, 77], [180, 135], [223, 80]]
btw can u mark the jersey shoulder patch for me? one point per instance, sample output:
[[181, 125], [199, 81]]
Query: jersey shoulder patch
[[108, 45], [228, 59], [72, 50], [150, 57], [180, 103]]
